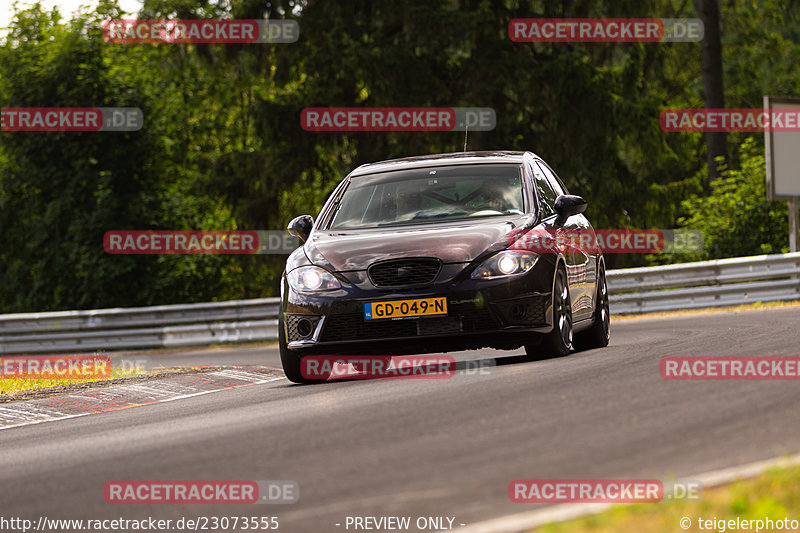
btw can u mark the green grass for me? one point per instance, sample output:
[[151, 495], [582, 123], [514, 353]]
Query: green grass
[[774, 494], [9, 386], [744, 307]]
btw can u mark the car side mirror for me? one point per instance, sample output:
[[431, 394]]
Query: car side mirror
[[567, 205], [301, 226]]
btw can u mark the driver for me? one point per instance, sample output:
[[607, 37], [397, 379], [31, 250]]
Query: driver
[[409, 201], [494, 195]]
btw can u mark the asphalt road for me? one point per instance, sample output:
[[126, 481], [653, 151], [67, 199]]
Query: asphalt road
[[445, 447]]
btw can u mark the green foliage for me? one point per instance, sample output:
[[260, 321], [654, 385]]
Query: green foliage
[[61, 191], [222, 146], [736, 219]]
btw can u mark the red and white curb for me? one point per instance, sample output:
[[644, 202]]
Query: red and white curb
[[125, 396]]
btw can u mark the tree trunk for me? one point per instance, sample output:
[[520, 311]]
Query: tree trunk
[[717, 142]]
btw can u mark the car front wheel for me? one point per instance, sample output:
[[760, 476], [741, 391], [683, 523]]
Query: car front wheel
[[559, 340]]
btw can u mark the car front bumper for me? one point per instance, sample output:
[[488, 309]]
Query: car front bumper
[[503, 312]]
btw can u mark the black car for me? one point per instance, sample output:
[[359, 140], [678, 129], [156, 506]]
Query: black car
[[417, 255]]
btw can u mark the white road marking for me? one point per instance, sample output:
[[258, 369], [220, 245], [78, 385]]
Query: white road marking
[[31, 419]]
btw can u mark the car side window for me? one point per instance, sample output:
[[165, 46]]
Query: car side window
[[557, 184], [547, 195]]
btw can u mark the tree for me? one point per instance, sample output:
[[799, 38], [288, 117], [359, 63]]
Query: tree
[[736, 219], [713, 86]]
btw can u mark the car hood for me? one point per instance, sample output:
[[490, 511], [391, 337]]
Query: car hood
[[452, 242]]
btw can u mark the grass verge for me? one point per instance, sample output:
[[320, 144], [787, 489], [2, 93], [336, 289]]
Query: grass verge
[[11, 386], [773, 494], [13, 389], [746, 307]]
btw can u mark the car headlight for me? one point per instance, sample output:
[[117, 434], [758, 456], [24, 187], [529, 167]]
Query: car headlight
[[312, 278], [505, 263]]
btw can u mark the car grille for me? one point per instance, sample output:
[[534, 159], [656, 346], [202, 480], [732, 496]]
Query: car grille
[[352, 326], [404, 272]]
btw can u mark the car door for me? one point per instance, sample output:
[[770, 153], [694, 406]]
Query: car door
[[583, 277], [547, 197]]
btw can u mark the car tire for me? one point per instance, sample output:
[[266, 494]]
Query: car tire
[[291, 361], [559, 341], [600, 332]]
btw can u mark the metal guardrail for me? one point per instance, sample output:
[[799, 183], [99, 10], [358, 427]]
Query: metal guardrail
[[163, 326], [723, 282]]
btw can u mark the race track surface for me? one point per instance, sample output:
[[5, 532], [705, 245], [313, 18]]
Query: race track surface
[[442, 447]]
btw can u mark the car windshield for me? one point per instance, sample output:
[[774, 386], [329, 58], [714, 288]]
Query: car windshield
[[430, 194]]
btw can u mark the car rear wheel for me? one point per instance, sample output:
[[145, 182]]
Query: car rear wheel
[[292, 361], [600, 332], [559, 341]]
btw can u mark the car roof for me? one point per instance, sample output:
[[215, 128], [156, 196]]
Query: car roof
[[432, 160]]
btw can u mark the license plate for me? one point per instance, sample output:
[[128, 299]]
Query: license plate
[[406, 308]]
